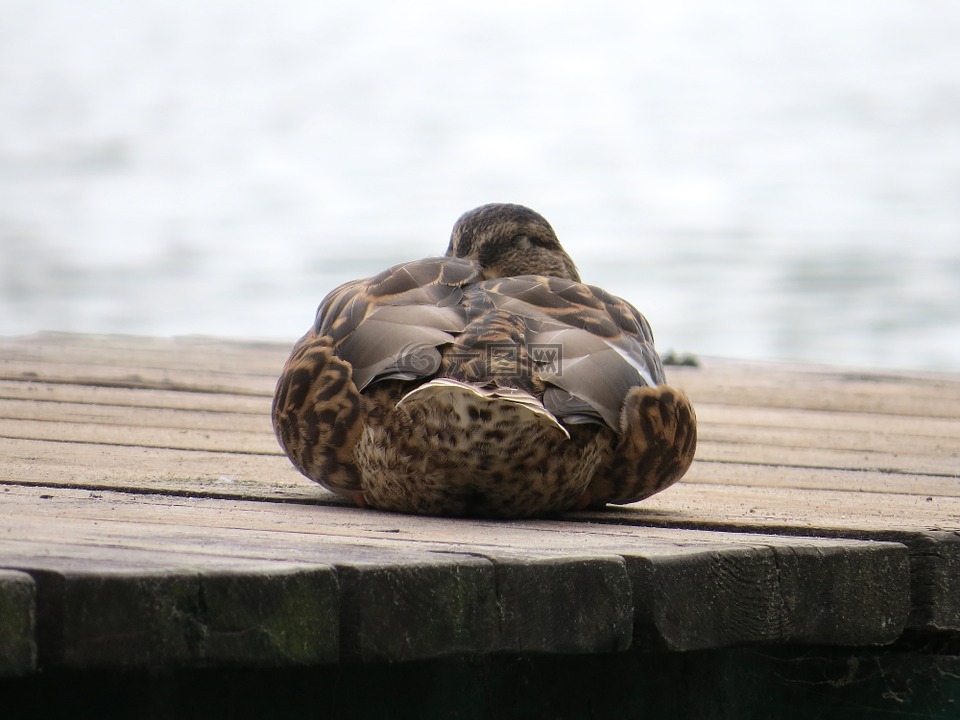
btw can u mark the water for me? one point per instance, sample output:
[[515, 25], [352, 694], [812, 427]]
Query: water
[[764, 180]]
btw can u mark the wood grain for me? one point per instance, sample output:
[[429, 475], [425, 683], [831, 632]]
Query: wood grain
[[545, 586], [823, 507]]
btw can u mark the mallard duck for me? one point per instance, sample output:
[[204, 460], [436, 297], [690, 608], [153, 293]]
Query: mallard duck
[[488, 382]]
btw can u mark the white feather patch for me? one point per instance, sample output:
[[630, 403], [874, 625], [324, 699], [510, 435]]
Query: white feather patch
[[454, 392]]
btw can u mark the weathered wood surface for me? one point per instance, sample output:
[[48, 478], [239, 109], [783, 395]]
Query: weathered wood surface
[[148, 519]]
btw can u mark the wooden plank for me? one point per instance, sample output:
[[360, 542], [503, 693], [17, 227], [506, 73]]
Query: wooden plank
[[263, 442], [789, 510], [554, 603], [785, 452], [18, 647], [714, 414], [929, 526], [251, 432], [256, 421], [803, 447], [432, 602], [60, 464], [891, 442], [827, 458], [271, 476], [142, 617], [186, 363], [176, 353], [482, 604], [792, 611], [867, 505], [770, 385], [821, 478], [554, 586], [151, 408], [93, 433], [138, 378], [710, 409], [67, 392], [942, 445], [398, 605]]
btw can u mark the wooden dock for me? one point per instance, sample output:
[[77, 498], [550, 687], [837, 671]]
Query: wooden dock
[[149, 522]]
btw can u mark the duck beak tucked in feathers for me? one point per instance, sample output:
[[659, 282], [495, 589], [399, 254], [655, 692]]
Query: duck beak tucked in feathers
[[487, 382]]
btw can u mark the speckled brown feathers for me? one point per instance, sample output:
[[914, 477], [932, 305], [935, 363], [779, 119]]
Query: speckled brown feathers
[[657, 441], [318, 415], [489, 382]]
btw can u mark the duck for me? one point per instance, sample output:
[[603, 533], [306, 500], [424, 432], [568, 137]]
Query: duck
[[489, 382]]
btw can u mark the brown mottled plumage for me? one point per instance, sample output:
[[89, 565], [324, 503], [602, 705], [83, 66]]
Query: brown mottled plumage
[[487, 382]]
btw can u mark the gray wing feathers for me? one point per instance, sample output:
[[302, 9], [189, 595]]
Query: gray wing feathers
[[391, 326], [594, 346], [400, 342], [590, 378], [380, 349]]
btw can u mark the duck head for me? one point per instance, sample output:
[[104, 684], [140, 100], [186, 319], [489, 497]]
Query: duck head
[[508, 240]]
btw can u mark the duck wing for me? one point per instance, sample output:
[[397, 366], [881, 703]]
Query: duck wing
[[389, 326], [585, 347], [589, 347]]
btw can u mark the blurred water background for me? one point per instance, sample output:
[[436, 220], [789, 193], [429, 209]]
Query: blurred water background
[[762, 179]]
